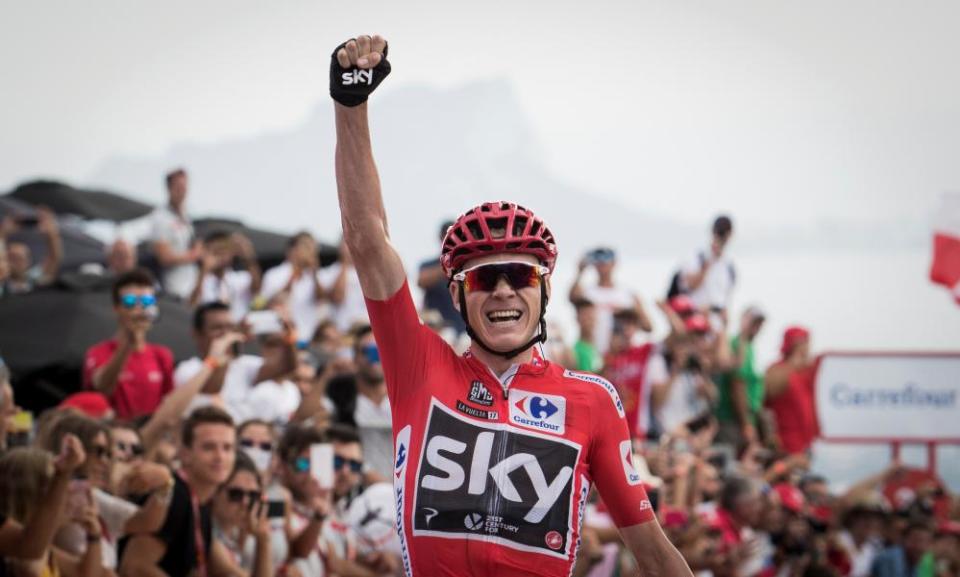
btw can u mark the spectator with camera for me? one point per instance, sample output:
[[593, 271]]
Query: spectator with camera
[[607, 296], [689, 390], [234, 375], [18, 273], [131, 372], [218, 281], [709, 277]]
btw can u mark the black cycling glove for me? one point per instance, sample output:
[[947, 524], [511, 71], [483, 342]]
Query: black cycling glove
[[352, 86]]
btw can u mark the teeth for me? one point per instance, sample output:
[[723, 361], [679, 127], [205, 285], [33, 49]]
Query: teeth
[[499, 316]]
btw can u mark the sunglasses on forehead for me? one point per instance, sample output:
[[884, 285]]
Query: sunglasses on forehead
[[485, 277], [265, 446], [130, 301]]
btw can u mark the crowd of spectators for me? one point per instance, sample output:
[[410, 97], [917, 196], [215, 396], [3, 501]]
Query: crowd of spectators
[[212, 466]]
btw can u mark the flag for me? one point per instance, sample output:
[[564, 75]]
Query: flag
[[945, 269]]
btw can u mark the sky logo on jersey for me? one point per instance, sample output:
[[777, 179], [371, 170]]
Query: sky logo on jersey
[[537, 411], [514, 486], [626, 458]]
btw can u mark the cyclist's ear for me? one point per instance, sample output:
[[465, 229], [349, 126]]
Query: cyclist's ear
[[454, 288]]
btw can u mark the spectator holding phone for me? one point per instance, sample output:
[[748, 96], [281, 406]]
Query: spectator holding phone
[[298, 281], [19, 274], [607, 296], [689, 390], [131, 372], [173, 243], [218, 281], [710, 276], [239, 513], [234, 375]]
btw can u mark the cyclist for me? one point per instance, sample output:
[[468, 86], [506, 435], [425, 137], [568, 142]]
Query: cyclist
[[495, 450]]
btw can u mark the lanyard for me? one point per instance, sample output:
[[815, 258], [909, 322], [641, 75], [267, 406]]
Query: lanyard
[[197, 530]]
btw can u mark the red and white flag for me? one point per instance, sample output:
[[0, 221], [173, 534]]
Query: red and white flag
[[945, 269]]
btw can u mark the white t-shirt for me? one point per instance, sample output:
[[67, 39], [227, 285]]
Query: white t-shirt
[[304, 308], [273, 401], [177, 232], [607, 301], [238, 382], [717, 285], [860, 559], [682, 403], [353, 309], [374, 425], [233, 289]]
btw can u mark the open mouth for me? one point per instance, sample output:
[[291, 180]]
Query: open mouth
[[504, 316]]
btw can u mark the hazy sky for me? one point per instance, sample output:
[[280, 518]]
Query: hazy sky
[[779, 111]]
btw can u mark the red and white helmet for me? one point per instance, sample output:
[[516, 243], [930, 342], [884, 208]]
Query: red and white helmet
[[496, 227]]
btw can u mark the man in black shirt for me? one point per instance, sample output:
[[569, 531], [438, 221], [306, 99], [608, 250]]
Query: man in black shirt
[[184, 544], [436, 295]]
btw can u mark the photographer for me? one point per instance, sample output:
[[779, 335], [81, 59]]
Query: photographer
[[607, 296], [689, 391], [219, 282], [18, 273]]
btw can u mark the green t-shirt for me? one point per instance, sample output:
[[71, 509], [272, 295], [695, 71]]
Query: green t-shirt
[[587, 357], [747, 373]]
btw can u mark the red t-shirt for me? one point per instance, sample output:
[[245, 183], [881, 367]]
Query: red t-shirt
[[794, 411], [627, 372], [492, 478], [145, 379]]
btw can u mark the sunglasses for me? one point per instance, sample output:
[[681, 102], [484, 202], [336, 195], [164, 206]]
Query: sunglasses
[[130, 301], [237, 495], [339, 462], [100, 451], [486, 277], [302, 464], [266, 446], [135, 449], [371, 353]]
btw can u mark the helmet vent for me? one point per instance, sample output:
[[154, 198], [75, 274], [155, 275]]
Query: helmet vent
[[519, 223], [475, 230], [497, 226], [460, 234]]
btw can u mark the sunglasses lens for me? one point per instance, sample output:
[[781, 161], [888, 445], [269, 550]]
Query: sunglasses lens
[[301, 465], [128, 301], [148, 300], [339, 462], [518, 276]]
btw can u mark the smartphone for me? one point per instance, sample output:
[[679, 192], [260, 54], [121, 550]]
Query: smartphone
[[321, 464], [264, 323], [276, 509]]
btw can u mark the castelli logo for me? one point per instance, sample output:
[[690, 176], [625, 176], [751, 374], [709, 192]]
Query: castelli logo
[[554, 540]]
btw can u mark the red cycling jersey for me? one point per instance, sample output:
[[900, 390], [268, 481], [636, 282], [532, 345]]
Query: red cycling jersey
[[492, 474]]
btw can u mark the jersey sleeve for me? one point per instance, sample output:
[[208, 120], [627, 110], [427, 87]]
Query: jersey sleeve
[[406, 345], [611, 463]]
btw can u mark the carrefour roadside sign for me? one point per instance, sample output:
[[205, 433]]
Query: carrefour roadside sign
[[889, 397]]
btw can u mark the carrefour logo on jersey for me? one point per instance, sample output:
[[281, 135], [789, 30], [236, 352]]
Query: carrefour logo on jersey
[[538, 411], [492, 482]]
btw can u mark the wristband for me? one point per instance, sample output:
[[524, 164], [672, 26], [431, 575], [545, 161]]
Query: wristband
[[351, 86], [212, 363]]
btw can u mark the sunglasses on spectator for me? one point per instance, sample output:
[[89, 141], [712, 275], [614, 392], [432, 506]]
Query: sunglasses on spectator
[[266, 446], [371, 353], [486, 277], [237, 495], [135, 449], [302, 464], [129, 301], [100, 451], [339, 462]]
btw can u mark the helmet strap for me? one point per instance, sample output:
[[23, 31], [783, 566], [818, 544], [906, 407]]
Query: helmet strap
[[540, 337]]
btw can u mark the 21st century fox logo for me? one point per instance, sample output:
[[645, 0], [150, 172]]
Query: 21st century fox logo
[[357, 77]]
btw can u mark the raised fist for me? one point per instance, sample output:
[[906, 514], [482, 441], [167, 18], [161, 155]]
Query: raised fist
[[357, 67]]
